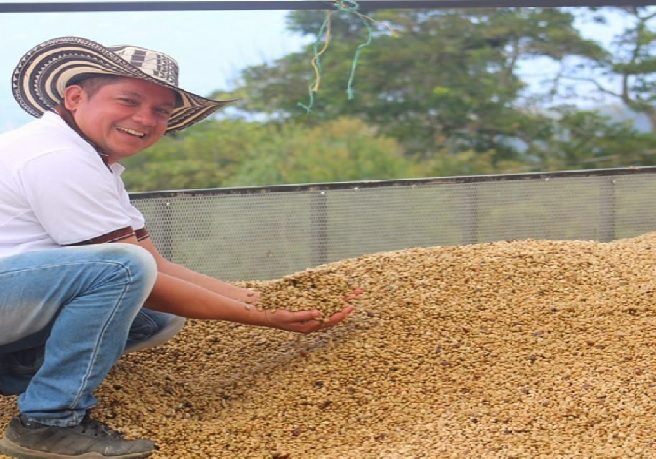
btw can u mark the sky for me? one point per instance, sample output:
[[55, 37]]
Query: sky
[[210, 46]]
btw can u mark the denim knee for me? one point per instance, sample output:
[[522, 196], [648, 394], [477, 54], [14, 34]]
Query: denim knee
[[137, 259]]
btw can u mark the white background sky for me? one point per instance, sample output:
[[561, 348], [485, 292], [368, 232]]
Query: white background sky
[[210, 46]]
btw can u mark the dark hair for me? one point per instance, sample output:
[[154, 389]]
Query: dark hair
[[92, 82]]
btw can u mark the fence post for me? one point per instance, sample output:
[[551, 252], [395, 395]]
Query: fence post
[[165, 247], [319, 228], [607, 203], [469, 225]]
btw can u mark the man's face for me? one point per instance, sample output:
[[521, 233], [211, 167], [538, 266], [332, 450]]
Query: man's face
[[123, 117]]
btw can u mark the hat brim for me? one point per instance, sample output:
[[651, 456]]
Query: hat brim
[[41, 76]]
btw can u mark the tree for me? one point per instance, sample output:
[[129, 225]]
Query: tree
[[206, 155], [240, 153], [627, 74], [587, 139], [336, 151], [444, 81]]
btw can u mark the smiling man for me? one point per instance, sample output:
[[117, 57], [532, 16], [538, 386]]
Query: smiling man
[[81, 281], [123, 115]]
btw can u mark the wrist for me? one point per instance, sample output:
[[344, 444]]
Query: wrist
[[258, 317], [268, 322]]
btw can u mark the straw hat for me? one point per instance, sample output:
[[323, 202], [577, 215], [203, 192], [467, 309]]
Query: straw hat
[[39, 79]]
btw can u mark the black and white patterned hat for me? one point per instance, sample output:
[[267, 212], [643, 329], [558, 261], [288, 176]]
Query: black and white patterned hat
[[41, 76]]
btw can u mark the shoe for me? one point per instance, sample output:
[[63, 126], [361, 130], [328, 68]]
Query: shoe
[[89, 439]]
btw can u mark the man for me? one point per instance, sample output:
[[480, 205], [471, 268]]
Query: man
[[81, 281]]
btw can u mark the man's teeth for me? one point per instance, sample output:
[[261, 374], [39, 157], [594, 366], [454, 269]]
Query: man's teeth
[[131, 132]]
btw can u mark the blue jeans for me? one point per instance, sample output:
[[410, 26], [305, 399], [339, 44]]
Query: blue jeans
[[66, 316]]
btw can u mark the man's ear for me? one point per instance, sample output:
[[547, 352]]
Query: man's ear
[[73, 94]]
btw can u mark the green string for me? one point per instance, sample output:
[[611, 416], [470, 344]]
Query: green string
[[317, 62], [351, 7], [358, 50]]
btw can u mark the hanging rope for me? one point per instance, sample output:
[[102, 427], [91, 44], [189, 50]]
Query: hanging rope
[[324, 34]]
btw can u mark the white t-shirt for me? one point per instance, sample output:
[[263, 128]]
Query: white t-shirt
[[55, 190]]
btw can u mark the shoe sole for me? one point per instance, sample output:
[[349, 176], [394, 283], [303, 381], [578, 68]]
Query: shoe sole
[[12, 449]]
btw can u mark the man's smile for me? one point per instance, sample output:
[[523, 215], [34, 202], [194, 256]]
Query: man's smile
[[131, 132]]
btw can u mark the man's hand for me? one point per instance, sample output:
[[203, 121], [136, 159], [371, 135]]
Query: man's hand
[[308, 321]]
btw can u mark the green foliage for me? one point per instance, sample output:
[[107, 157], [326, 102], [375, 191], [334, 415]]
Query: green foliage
[[203, 156], [444, 81], [635, 63], [587, 139], [241, 153]]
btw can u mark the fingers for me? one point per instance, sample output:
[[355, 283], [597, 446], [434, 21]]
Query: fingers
[[310, 321], [317, 324], [353, 295], [298, 321], [338, 317], [305, 316], [306, 321]]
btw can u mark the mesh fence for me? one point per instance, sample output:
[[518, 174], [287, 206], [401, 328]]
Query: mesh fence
[[267, 233]]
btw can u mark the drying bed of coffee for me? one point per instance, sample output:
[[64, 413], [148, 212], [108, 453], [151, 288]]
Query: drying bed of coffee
[[513, 349]]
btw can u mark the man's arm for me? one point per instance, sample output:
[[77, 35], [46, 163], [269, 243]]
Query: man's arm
[[184, 292], [215, 285]]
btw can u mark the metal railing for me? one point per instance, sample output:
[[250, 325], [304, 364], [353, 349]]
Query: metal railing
[[259, 233], [222, 5]]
